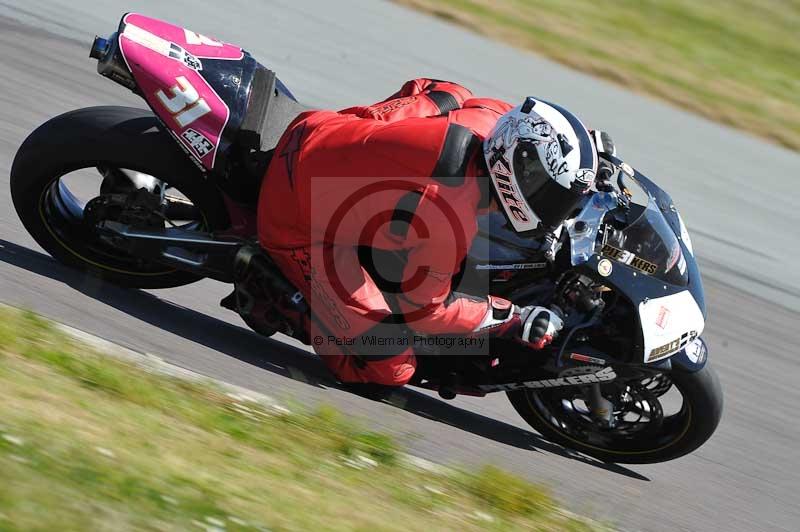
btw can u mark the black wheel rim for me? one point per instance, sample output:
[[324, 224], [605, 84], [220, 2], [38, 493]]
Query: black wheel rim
[[62, 214], [641, 423]]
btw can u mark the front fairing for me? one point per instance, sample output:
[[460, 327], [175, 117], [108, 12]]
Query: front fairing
[[667, 207], [670, 315]]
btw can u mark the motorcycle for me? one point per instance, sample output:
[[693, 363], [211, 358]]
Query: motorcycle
[[628, 379]]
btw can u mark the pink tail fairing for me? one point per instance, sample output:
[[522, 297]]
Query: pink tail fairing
[[166, 61]]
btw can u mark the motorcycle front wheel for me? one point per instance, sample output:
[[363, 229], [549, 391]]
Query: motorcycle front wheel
[[654, 420]]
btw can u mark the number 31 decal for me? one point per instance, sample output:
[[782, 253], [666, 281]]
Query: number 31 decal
[[185, 104]]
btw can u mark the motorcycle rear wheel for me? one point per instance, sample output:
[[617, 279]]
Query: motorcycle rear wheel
[[117, 137], [671, 437]]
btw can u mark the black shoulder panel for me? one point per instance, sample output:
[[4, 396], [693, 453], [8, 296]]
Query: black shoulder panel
[[451, 167], [404, 213], [444, 101]]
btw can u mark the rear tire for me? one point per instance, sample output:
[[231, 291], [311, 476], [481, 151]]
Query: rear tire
[[702, 393], [122, 137]]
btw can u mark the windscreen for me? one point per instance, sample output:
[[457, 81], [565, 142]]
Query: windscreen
[[647, 243]]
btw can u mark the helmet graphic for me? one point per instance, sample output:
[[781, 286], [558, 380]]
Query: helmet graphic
[[541, 161]]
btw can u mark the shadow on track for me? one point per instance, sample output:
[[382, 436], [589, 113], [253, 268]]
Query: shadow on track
[[275, 356]]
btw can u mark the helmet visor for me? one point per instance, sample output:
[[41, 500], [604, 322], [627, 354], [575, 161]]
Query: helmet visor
[[528, 168]]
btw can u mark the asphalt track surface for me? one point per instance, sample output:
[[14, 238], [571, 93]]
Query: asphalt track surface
[[737, 195]]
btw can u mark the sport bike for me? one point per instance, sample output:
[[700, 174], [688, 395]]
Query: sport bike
[[164, 197]]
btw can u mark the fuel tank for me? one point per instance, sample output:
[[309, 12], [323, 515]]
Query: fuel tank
[[502, 262]]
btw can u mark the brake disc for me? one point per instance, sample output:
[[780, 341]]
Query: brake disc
[[658, 384]]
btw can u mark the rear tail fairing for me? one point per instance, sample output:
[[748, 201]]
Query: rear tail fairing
[[168, 70], [209, 94]]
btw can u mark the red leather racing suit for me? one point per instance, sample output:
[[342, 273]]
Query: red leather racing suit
[[400, 175]]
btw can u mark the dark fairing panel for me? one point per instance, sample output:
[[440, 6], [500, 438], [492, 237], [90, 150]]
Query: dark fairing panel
[[504, 263], [250, 90], [667, 208], [232, 81]]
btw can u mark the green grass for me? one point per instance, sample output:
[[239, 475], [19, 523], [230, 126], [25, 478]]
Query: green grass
[[89, 442], [734, 61]]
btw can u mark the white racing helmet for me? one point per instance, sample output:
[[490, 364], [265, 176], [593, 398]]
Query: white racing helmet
[[541, 161]]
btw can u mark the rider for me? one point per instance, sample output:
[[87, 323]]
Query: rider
[[411, 174]]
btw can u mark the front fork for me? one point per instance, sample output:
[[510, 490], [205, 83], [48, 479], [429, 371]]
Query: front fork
[[602, 409], [690, 359]]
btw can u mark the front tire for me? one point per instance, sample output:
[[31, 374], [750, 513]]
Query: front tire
[[687, 430], [118, 137]]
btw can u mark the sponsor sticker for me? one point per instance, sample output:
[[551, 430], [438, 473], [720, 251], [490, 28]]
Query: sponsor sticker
[[586, 358], [604, 267], [176, 52], [201, 145], [663, 317], [696, 351], [604, 375], [162, 46], [626, 257], [191, 61], [518, 266], [675, 345]]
